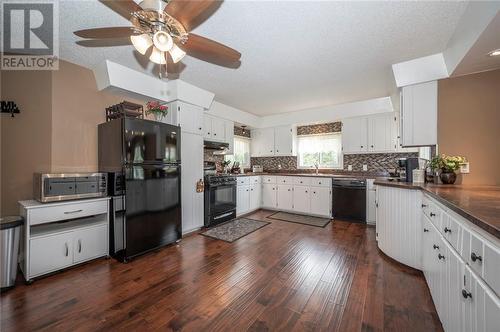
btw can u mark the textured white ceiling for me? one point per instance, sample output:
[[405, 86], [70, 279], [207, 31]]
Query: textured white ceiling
[[295, 55]]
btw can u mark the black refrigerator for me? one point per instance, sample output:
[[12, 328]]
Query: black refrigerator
[[144, 158]]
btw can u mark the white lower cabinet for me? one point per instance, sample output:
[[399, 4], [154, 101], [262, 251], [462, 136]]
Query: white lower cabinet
[[269, 195], [459, 265], [242, 199], [285, 197], [51, 253], [302, 199], [89, 243], [321, 201], [255, 196]]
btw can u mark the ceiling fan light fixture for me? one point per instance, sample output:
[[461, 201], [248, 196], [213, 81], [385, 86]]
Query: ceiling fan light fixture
[[163, 41], [141, 42], [155, 5], [158, 57], [176, 53], [494, 52]]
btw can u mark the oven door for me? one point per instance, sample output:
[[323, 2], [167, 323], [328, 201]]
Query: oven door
[[221, 203]]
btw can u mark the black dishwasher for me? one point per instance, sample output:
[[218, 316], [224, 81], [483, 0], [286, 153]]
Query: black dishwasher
[[349, 199]]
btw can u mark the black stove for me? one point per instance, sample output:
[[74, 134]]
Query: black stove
[[220, 196]]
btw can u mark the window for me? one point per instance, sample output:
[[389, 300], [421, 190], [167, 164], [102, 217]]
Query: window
[[241, 152], [326, 150]]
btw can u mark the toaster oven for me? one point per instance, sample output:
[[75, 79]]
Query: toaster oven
[[68, 186]]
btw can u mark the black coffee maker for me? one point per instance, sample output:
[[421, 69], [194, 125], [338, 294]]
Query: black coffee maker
[[406, 167]]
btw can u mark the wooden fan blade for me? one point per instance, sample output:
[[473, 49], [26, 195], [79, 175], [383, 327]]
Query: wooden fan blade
[[104, 42], [100, 33], [122, 7], [209, 50], [192, 13]]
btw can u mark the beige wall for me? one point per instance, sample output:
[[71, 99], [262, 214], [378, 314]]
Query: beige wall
[[469, 124], [26, 146], [56, 130]]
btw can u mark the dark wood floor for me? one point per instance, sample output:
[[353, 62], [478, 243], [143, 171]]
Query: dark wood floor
[[284, 276]]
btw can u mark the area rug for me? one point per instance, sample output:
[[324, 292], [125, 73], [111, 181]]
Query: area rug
[[300, 219], [234, 229]]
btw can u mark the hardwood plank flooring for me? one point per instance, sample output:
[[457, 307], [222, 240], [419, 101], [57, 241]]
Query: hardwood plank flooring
[[283, 277]]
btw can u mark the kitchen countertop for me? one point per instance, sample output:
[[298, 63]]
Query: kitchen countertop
[[478, 204], [314, 175]]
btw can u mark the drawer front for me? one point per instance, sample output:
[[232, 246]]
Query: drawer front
[[268, 179], [49, 213], [321, 182], [90, 243], [243, 180], [491, 269], [476, 254], [50, 253], [255, 179], [284, 179], [434, 214], [451, 230], [302, 181]]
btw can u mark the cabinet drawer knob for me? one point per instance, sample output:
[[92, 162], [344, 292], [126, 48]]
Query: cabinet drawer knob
[[67, 249], [79, 246], [475, 257], [424, 205], [447, 230], [432, 214], [466, 294], [440, 256], [425, 230], [435, 246]]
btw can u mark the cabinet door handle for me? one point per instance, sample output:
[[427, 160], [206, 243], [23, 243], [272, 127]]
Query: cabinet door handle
[[67, 249], [435, 246], [199, 128], [466, 294], [475, 257], [79, 246], [425, 230], [424, 205], [277, 150], [371, 146], [306, 191], [71, 212], [447, 230], [440, 256], [433, 214]]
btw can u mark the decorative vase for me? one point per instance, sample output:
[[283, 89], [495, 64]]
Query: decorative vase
[[448, 177], [158, 116]]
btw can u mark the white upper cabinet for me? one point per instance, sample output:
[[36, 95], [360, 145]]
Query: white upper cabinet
[[188, 117], [284, 140], [214, 128], [275, 141], [380, 133], [355, 135], [419, 114]]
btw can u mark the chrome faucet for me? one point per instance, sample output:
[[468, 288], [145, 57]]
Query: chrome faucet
[[316, 165]]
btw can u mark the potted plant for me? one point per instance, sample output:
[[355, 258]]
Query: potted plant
[[158, 110], [448, 165]]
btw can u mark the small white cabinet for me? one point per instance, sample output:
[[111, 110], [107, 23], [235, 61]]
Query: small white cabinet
[[285, 197], [321, 201], [355, 135], [255, 196], [214, 128], [370, 134], [302, 199], [419, 114], [269, 195], [48, 245], [274, 141], [248, 194], [242, 199]]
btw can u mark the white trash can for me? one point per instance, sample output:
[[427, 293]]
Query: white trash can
[[10, 232]]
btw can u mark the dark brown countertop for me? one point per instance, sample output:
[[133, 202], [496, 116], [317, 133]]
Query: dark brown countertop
[[314, 175], [478, 204]]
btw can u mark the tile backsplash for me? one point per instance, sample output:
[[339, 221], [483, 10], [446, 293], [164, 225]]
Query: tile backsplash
[[376, 162]]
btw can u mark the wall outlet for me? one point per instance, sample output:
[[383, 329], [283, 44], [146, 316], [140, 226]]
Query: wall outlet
[[349, 167], [464, 169], [365, 167]]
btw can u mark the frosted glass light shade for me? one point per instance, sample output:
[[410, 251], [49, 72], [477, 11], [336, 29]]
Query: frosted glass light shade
[[158, 57], [162, 41], [176, 53], [141, 42]]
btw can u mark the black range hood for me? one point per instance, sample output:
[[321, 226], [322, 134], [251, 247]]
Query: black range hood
[[219, 146]]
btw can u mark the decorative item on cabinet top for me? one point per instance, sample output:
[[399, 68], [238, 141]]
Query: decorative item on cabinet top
[[158, 110], [125, 109], [448, 165]]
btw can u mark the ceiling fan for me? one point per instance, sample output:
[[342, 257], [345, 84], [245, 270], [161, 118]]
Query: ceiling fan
[[161, 30]]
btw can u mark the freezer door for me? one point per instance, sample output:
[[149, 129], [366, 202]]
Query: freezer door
[[151, 142], [153, 207]]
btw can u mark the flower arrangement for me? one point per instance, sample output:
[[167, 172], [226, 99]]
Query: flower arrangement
[[157, 109], [447, 163]]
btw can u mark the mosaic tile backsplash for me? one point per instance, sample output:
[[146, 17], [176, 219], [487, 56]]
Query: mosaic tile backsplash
[[238, 131], [376, 162], [323, 128]]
